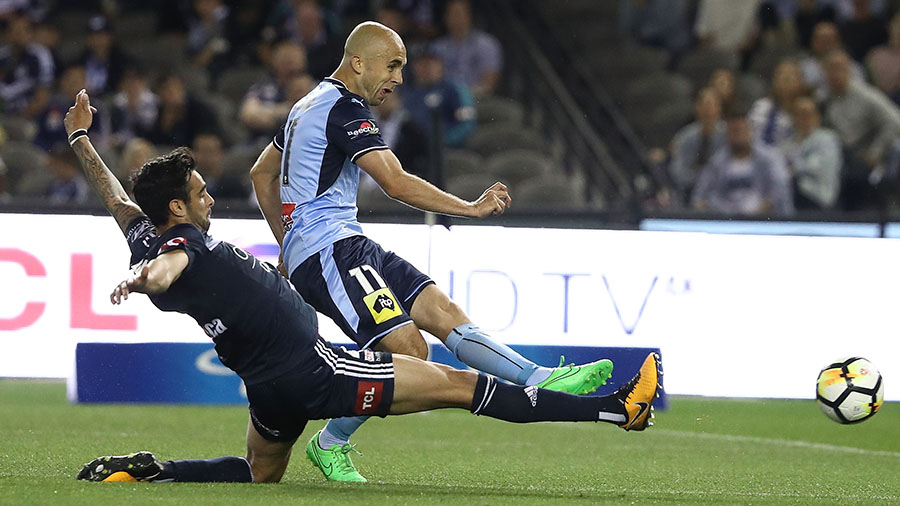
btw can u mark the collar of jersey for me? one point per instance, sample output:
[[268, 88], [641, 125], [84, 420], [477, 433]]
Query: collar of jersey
[[343, 87]]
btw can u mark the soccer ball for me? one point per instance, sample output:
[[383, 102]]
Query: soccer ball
[[850, 390]]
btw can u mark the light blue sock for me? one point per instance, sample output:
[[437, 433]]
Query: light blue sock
[[480, 351], [338, 431]]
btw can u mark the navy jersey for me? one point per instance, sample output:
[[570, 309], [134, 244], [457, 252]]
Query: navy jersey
[[261, 327], [326, 132]]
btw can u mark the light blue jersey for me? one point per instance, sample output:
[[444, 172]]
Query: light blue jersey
[[325, 133]]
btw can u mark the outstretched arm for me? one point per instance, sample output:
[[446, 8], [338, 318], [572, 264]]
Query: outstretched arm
[[265, 175], [104, 183], [155, 277], [385, 168]]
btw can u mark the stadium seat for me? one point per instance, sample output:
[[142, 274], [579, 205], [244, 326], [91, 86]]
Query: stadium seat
[[490, 139], [239, 160], [750, 87], [499, 110], [652, 91], [462, 161], [23, 158], [33, 183], [195, 79], [662, 124], [517, 165], [72, 24], [764, 62], [698, 65], [234, 83], [162, 54], [545, 193], [18, 128], [70, 52], [627, 62], [137, 24], [470, 186]]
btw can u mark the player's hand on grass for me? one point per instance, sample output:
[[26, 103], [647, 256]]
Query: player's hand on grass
[[132, 284], [495, 200], [80, 115]]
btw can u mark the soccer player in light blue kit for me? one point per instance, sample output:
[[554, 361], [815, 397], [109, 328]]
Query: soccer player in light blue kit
[[306, 181]]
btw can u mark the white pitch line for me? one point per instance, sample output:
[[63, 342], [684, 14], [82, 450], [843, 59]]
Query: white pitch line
[[777, 442]]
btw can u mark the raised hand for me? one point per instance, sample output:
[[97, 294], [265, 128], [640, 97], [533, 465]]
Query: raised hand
[[495, 200], [80, 115]]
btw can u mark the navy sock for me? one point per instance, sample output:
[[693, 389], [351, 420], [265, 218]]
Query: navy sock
[[222, 469], [515, 403]]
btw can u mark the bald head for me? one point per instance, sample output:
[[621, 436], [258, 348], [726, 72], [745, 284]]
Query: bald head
[[374, 57], [370, 39]]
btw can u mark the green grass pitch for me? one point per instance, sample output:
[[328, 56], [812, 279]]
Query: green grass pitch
[[701, 451]]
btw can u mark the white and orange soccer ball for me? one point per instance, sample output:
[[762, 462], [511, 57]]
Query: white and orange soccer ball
[[850, 390]]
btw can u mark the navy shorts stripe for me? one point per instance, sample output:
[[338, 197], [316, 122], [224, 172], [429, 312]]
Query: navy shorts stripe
[[330, 383]]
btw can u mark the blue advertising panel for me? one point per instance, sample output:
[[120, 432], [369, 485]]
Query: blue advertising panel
[[192, 373]]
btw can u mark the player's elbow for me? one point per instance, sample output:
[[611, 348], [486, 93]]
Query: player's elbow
[[399, 187]]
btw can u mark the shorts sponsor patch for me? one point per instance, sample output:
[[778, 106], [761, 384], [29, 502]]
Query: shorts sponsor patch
[[368, 397], [383, 305]]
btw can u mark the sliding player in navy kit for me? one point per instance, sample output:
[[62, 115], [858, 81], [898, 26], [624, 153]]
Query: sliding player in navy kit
[[267, 334], [306, 182]]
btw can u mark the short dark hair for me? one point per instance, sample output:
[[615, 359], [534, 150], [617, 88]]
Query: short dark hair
[[162, 179]]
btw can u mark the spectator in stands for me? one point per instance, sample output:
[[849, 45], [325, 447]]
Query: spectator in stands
[[884, 62], [405, 138], [473, 57], [210, 158], [394, 18], [50, 127], [135, 154], [809, 14], [303, 22], [863, 30], [744, 177], [770, 117], [825, 39], [68, 185], [813, 157], [657, 23], [207, 42], [134, 108], [432, 94], [730, 26], [5, 195], [695, 144], [181, 116], [104, 62], [723, 82], [266, 104], [421, 16], [26, 70], [867, 123]]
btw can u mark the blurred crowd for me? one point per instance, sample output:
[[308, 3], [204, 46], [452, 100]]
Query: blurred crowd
[[821, 132], [218, 76]]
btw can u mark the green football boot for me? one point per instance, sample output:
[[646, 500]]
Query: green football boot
[[334, 462], [578, 379]]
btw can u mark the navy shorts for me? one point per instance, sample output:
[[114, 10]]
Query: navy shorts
[[367, 291], [333, 382]]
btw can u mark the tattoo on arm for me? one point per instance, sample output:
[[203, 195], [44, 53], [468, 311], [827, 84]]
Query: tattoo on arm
[[106, 186]]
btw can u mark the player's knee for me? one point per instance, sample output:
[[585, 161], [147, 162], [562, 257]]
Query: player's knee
[[406, 340], [266, 470]]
